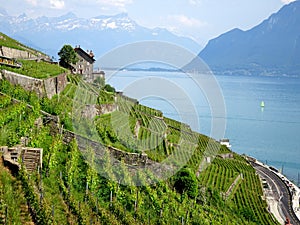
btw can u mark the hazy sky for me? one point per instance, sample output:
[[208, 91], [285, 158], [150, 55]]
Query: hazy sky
[[200, 19]]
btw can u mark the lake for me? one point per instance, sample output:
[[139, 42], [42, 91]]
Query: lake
[[270, 134]]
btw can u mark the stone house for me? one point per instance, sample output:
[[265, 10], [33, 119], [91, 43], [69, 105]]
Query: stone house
[[85, 64]]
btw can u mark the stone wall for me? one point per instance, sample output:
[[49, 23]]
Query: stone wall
[[107, 108], [92, 110], [133, 159], [55, 85], [50, 87], [47, 87], [61, 82], [31, 157], [28, 83], [15, 53], [226, 156]]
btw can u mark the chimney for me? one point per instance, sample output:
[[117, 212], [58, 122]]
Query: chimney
[[91, 54]]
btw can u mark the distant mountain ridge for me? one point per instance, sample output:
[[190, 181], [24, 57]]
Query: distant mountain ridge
[[100, 34], [270, 48]]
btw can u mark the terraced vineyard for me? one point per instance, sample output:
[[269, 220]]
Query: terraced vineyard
[[12, 210], [246, 195], [74, 193]]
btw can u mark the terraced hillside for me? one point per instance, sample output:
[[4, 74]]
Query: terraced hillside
[[69, 190], [36, 69], [79, 184], [13, 207]]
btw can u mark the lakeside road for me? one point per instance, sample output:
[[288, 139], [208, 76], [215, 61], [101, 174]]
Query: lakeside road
[[281, 192]]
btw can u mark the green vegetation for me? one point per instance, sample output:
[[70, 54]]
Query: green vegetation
[[40, 70], [109, 88], [67, 56], [12, 210], [186, 181], [246, 198], [74, 193]]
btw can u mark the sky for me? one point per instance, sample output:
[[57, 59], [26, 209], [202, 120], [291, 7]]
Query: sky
[[201, 20]]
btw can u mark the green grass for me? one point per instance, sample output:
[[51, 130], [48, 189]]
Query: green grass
[[40, 70], [12, 43]]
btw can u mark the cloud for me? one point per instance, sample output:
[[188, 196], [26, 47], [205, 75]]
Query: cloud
[[194, 2], [115, 3], [32, 2], [57, 4], [186, 21], [287, 1]]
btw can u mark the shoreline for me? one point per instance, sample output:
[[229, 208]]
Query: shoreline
[[270, 196]]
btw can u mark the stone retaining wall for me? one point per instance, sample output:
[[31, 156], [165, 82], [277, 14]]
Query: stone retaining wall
[[43, 87], [28, 83], [133, 159], [31, 157], [90, 111], [15, 53]]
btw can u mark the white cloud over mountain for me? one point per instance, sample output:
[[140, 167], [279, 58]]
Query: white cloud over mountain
[[115, 3], [287, 1], [57, 4], [32, 2], [186, 21]]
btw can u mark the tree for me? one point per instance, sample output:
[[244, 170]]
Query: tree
[[67, 56], [109, 88], [186, 181]]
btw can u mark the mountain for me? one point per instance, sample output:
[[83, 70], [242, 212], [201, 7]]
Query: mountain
[[101, 33], [270, 48]]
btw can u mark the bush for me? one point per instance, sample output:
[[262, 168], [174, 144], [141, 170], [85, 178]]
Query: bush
[[109, 88], [186, 182]]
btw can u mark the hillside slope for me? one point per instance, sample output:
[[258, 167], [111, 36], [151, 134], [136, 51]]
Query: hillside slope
[[77, 193], [272, 47]]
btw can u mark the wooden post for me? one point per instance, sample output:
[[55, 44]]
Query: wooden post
[[53, 211], [41, 197], [136, 201], [68, 197], [86, 191], [97, 206], [187, 216], [6, 215], [110, 198], [161, 210]]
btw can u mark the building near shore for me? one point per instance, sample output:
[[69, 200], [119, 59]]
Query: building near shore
[[85, 64]]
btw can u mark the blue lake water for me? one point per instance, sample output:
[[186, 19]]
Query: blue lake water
[[270, 134]]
